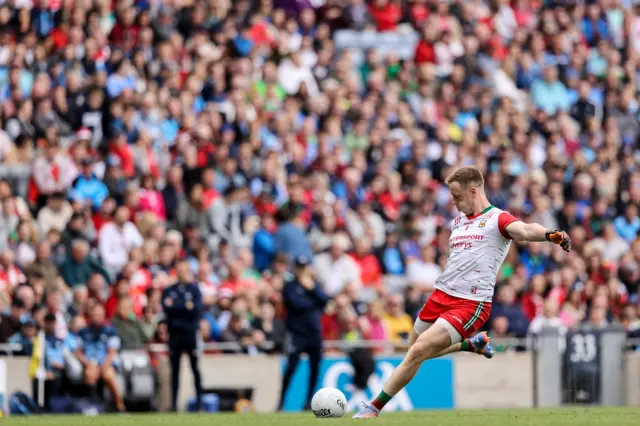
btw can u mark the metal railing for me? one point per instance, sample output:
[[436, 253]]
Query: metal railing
[[337, 345], [329, 345]]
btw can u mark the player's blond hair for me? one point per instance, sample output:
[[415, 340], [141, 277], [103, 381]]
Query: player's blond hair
[[468, 176]]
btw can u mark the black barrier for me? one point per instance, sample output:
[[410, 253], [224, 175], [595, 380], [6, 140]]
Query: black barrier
[[582, 367]]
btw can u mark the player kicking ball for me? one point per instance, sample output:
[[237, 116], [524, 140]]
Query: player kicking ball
[[460, 305]]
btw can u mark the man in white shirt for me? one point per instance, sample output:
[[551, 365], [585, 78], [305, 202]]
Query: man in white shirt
[[292, 73], [548, 320], [55, 215], [117, 238], [362, 218], [610, 245], [424, 271], [335, 270]]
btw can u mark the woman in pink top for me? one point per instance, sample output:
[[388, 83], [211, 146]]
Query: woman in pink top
[[150, 198], [574, 309], [372, 325]]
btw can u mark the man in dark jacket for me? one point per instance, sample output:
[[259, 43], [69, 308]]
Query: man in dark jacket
[[80, 265], [182, 303], [10, 324], [305, 302]]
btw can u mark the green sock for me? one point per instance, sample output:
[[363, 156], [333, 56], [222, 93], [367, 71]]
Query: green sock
[[381, 400], [466, 346]]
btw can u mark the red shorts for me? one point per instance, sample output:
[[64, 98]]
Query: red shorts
[[466, 316]]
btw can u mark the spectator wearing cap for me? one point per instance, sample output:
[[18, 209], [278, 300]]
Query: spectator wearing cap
[[117, 239], [56, 351], [304, 301], [25, 336], [87, 187], [10, 323]]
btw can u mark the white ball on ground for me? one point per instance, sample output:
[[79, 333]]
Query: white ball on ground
[[328, 403]]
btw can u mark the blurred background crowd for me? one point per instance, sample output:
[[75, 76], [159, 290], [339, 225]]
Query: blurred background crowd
[[240, 135]]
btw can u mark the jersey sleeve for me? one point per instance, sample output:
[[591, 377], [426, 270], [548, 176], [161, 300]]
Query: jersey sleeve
[[505, 219]]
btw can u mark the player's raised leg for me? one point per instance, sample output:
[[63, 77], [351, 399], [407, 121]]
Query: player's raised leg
[[479, 344], [428, 344]]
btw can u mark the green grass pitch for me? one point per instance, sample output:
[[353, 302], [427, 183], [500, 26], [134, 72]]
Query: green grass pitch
[[561, 417]]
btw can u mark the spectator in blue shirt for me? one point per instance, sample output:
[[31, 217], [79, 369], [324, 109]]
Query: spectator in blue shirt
[[98, 346], [291, 237], [390, 256], [507, 306], [534, 261], [121, 80], [263, 244], [25, 336], [549, 94], [55, 351], [594, 25], [627, 225], [88, 187]]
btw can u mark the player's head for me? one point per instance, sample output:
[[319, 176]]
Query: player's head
[[467, 188]]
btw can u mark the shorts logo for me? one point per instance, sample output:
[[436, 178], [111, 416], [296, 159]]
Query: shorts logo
[[457, 319], [474, 290], [482, 224]]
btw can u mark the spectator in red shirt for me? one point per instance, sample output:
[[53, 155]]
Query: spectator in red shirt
[[425, 52], [533, 299], [209, 193], [121, 149], [386, 14], [370, 271]]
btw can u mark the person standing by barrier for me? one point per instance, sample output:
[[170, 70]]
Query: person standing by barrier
[[182, 304], [305, 302]]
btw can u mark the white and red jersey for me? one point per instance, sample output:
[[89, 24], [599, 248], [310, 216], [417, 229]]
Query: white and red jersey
[[477, 247]]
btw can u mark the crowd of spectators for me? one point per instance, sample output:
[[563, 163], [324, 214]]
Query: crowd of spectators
[[238, 135]]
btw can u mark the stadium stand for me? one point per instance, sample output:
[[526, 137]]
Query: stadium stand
[[240, 134]]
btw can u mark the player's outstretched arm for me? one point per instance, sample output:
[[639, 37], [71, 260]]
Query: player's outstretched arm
[[533, 232]]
